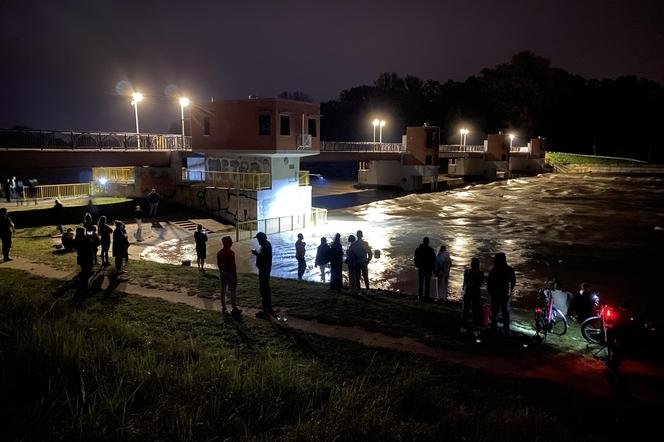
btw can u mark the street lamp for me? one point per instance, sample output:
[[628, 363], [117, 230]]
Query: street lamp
[[464, 132], [511, 140], [375, 123], [184, 102], [380, 131], [137, 97]]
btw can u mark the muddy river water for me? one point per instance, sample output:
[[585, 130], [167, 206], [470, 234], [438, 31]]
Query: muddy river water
[[608, 231]]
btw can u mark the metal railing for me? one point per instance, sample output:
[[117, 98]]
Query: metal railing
[[58, 191], [445, 148], [519, 149], [229, 180], [247, 229], [41, 139], [364, 146], [304, 178], [123, 175]]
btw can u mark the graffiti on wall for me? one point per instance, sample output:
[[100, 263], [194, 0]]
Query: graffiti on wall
[[236, 163], [223, 203]]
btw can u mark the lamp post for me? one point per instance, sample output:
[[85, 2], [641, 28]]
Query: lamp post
[[137, 97], [464, 132], [380, 131], [184, 102], [511, 140], [375, 123]]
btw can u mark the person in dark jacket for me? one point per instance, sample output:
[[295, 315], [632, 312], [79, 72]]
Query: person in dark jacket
[[6, 232], [300, 252], [200, 237], [336, 264], [84, 258], [7, 189], [473, 278], [425, 258], [500, 286], [105, 231], [153, 201], [67, 240], [120, 245], [228, 275], [322, 258], [87, 222], [352, 266], [264, 265], [57, 215]]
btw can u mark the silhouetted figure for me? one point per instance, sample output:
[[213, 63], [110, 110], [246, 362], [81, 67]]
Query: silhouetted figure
[[352, 266], [105, 232], [300, 249], [120, 245], [6, 188], [6, 231], [441, 268], [138, 217], [32, 190], [322, 257], [424, 258], [264, 265], [84, 258], [500, 286], [153, 200], [94, 242], [87, 222], [336, 264], [584, 303], [57, 215], [19, 192], [473, 278], [228, 275], [200, 238], [12, 187], [362, 254], [67, 240]]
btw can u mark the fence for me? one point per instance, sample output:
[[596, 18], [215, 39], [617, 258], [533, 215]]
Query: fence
[[229, 180], [123, 175], [247, 229], [520, 149], [461, 148], [304, 178], [365, 146], [40, 139], [58, 191]]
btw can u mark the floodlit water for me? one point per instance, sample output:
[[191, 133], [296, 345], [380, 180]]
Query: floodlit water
[[607, 231]]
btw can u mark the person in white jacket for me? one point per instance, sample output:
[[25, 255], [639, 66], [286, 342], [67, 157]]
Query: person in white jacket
[[441, 268]]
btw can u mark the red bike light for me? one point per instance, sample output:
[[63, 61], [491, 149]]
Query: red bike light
[[538, 310], [610, 314]]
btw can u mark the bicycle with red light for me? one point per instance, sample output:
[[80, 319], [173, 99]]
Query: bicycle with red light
[[598, 330], [548, 319]]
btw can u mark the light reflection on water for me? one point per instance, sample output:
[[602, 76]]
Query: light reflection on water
[[595, 229]]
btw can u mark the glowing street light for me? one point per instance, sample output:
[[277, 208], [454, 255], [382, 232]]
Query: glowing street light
[[375, 123], [464, 132], [380, 131], [137, 97], [184, 102], [512, 136]]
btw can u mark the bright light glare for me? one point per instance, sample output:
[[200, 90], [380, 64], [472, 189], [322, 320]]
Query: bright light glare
[[184, 101], [137, 97], [103, 181], [375, 122], [382, 123], [512, 136], [464, 131]]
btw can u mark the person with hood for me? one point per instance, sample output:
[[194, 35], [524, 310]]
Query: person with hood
[[352, 267], [6, 231], [264, 265], [228, 275], [424, 261], [473, 278], [322, 258], [500, 285], [200, 237], [120, 245], [336, 264], [300, 249], [105, 231], [442, 267]]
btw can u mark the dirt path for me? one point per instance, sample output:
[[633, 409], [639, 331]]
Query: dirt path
[[569, 369]]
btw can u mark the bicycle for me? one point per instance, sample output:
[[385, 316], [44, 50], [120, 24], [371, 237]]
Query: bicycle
[[548, 319], [598, 330]]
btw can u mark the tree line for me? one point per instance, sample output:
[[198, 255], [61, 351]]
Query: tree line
[[527, 96]]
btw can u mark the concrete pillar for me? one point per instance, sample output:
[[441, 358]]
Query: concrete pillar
[[498, 148]]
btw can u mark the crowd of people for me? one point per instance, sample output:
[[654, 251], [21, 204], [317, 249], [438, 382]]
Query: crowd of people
[[19, 190]]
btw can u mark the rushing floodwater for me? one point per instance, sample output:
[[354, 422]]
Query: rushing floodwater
[[607, 231]]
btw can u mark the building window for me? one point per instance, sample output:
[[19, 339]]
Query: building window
[[284, 123], [428, 160], [206, 125], [312, 127], [264, 125]]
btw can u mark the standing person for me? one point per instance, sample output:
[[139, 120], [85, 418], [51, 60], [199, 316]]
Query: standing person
[[352, 267], [424, 261], [500, 286], [19, 192], [93, 238], [322, 258], [12, 187], [105, 232], [336, 264], [442, 267], [228, 275], [200, 237], [6, 231], [300, 248], [87, 222], [6, 188], [32, 190], [364, 256], [473, 278], [153, 201], [264, 264], [120, 246], [84, 258], [138, 216], [57, 215]]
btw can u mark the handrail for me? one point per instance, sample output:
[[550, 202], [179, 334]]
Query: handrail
[[57, 191], [40, 139], [461, 148], [114, 174], [229, 180], [245, 230], [361, 146]]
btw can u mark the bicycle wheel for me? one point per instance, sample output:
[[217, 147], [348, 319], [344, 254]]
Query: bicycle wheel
[[540, 322], [593, 331], [558, 323]]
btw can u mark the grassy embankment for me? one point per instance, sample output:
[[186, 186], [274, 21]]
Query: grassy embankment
[[74, 202], [132, 368], [570, 159]]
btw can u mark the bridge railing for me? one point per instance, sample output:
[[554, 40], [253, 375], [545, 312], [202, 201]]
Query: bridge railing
[[40, 139], [519, 149], [229, 180], [461, 148], [246, 230], [365, 146], [123, 175]]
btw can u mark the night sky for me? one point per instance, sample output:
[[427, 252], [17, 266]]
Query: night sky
[[62, 61]]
